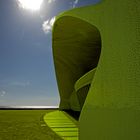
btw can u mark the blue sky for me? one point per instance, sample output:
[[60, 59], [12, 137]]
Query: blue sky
[[27, 74]]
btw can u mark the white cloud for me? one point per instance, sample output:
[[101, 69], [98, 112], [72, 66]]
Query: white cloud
[[75, 3], [22, 84], [50, 1], [2, 93], [47, 25]]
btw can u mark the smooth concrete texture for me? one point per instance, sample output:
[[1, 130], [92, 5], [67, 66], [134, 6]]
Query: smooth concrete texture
[[112, 107]]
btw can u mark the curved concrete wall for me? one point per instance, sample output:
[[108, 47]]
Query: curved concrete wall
[[75, 53], [112, 107]]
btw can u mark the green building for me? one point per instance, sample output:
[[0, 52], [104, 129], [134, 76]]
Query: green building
[[96, 53]]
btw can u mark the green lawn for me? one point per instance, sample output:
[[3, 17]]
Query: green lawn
[[25, 125]]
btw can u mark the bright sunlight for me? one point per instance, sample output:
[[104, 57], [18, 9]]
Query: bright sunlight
[[33, 5]]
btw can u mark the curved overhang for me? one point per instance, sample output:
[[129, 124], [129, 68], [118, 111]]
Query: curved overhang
[[76, 50]]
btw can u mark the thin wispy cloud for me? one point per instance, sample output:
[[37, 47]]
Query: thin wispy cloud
[[13, 83], [2, 93], [47, 25], [75, 3], [50, 1], [21, 84]]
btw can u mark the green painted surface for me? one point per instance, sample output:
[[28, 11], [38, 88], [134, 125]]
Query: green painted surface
[[112, 107], [62, 124], [82, 86], [75, 54], [85, 79]]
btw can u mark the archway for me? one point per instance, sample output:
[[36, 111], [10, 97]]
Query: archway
[[76, 50]]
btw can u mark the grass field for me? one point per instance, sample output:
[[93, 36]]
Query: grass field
[[25, 125]]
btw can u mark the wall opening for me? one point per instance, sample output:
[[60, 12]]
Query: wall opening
[[76, 49]]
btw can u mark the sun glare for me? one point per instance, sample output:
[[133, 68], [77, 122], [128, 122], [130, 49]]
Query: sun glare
[[33, 5]]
